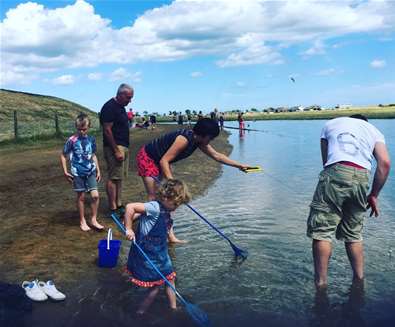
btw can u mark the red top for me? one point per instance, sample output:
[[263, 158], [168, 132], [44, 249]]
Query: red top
[[349, 163]]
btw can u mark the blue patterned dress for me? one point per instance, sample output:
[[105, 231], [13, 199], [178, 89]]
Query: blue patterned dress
[[151, 236]]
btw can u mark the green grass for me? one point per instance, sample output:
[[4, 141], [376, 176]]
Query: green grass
[[36, 115], [371, 112]]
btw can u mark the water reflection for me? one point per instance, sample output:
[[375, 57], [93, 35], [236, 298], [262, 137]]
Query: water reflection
[[345, 314]]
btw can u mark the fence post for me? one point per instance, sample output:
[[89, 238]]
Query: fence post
[[16, 135], [57, 131]]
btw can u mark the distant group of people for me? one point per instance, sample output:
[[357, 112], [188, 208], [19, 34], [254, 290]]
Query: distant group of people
[[216, 116], [348, 147]]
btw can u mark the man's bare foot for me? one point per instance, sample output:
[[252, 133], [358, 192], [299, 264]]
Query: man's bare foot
[[84, 227], [95, 224]]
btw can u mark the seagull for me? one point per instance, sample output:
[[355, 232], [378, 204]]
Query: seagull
[[292, 79]]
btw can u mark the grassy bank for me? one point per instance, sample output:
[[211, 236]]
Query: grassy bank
[[370, 112], [35, 115]]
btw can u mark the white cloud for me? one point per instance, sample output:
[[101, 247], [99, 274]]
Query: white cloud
[[254, 54], [95, 76], [64, 80], [378, 63], [121, 74], [328, 72], [39, 39], [318, 48], [196, 74], [136, 77]]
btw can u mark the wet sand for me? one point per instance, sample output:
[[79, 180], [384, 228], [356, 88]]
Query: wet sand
[[40, 235]]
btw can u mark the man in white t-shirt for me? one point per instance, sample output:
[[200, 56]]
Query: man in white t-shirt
[[348, 147]]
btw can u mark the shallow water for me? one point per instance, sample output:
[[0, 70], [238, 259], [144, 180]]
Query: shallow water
[[264, 213]]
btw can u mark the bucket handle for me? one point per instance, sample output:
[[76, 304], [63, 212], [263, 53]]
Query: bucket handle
[[109, 238]]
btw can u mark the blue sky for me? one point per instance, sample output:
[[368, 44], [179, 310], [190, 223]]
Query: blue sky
[[201, 54]]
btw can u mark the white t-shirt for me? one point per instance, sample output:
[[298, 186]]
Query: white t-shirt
[[351, 139]]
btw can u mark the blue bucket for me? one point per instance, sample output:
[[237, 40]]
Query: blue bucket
[[108, 251]]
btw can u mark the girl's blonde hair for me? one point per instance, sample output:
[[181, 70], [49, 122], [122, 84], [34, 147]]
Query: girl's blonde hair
[[174, 190]]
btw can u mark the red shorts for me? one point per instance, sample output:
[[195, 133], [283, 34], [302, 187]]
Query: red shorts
[[146, 167]]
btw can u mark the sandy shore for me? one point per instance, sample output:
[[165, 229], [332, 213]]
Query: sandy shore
[[40, 229]]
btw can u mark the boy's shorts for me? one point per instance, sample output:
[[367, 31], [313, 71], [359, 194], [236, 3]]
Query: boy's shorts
[[339, 204], [85, 183], [116, 169], [146, 166]]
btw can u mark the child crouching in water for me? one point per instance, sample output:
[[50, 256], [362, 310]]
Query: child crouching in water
[[151, 236], [84, 174]]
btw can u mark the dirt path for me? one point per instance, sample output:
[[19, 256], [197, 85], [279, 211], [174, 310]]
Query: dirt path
[[40, 235]]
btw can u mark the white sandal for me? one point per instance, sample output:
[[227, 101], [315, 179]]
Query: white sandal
[[49, 289], [33, 291]]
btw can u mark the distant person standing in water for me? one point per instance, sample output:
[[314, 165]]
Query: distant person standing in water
[[152, 121], [180, 120], [155, 158], [348, 147], [240, 119], [189, 120], [221, 121], [114, 119]]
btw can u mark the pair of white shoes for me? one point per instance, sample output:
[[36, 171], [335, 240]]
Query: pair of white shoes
[[40, 291]]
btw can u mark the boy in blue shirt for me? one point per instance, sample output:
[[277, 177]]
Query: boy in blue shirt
[[80, 149]]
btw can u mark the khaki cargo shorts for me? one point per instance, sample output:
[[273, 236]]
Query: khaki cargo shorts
[[116, 170], [339, 204]]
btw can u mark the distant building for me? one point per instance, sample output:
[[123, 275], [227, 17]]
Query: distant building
[[296, 108], [313, 107], [344, 106]]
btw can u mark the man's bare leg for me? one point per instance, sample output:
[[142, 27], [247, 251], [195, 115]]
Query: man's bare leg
[[111, 191], [118, 194], [355, 255], [322, 251]]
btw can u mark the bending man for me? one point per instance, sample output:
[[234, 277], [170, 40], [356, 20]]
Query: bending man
[[348, 146]]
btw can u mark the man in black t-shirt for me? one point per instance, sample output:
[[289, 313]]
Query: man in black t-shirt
[[114, 119]]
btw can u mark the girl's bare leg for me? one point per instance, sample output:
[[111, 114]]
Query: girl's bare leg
[[148, 300], [171, 237], [171, 295]]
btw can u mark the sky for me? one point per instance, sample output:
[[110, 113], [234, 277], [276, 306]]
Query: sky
[[201, 54]]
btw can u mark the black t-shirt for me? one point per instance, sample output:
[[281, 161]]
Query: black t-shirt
[[113, 112], [158, 147]]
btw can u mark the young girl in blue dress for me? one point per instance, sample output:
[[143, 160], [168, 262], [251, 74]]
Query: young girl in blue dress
[[151, 235]]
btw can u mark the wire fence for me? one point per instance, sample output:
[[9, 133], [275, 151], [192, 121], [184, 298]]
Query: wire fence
[[17, 127]]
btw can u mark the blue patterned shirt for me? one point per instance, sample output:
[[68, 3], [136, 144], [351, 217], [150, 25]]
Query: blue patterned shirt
[[81, 150]]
